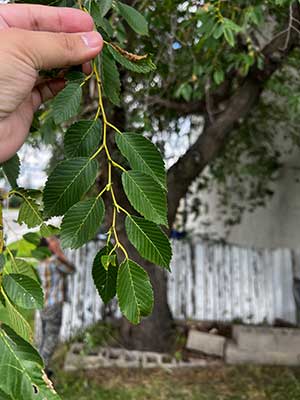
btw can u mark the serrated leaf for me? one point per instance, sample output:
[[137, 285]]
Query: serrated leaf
[[75, 76], [11, 169], [66, 104], [21, 369], [146, 196], [22, 267], [110, 77], [81, 223], [141, 66], [142, 156], [82, 138], [15, 319], [134, 291], [29, 213], [105, 278], [23, 291], [149, 240], [134, 18], [70, 180]]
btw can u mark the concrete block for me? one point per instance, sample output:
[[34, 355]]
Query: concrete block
[[206, 343], [235, 355], [257, 338]]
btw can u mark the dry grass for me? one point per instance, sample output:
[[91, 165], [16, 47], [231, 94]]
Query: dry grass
[[218, 383]]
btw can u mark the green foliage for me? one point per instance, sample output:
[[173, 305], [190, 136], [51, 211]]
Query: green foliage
[[146, 196], [134, 291], [142, 156], [70, 180], [81, 222], [21, 369], [23, 291], [67, 102], [142, 66], [11, 169], [134, 19], [105, 6], [149, 240], [29, 213], [105, 275], [110, 77], [82, 139]]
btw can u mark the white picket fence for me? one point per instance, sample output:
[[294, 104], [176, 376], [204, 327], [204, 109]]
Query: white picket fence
[[209, 281]]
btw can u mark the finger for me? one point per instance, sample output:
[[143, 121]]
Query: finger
[[46, 91], [46, 50], [44, 18], [87, 68]]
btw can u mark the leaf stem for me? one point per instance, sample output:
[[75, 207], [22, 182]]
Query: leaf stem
[[111, 163]]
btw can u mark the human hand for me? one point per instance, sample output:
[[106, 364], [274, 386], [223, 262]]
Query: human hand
[[32, 38]]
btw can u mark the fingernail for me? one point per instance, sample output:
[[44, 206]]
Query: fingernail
[[92, 39]]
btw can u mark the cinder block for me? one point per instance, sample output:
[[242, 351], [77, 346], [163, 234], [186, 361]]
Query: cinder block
[[206, 343], [235, 355], [257, 338]]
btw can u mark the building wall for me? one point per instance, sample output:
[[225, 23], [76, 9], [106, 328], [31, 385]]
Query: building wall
[[276, 225]]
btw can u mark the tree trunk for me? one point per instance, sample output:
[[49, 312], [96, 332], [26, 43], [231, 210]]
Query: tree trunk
[[155, 333]]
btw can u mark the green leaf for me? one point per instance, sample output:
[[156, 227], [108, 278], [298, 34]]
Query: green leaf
[[149, 240], [2, 261], [15, 319], [66, 104], [105, 6], [105, 277], [219, 76], [142, 156], [81, 222], [22, 267], [29, 213], [110, 77], [108, 260], [41, 253], [21, 369], [82, 138], [146, 196], [23, 291], [33, 237], [4, 396], [49, 230], [142, 66], [134, 291], [70, 180], [134, 19], [11, 169]]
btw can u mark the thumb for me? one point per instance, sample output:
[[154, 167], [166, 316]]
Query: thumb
[[47, 50]]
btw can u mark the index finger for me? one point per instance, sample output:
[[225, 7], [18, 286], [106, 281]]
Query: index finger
[[44, 18]]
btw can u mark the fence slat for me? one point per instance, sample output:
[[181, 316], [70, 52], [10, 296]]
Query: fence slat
[[209, 281]]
